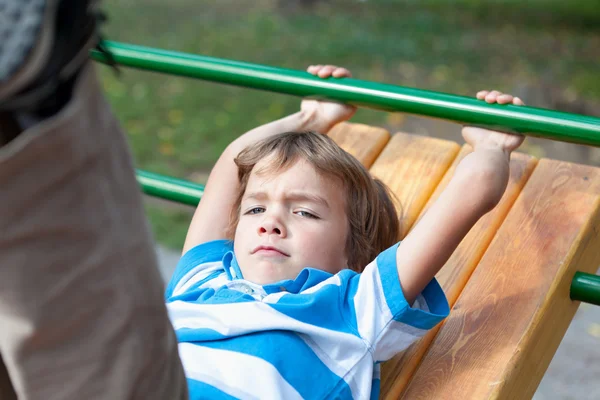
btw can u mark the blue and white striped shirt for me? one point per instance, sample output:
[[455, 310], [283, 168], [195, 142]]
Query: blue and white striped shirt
[[319, 336]]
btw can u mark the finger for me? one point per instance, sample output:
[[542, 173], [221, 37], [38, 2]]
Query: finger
[[518, 102], [341, 72], [504, 99], [481, 94], [492, 96], [314, 69], [326, 71]]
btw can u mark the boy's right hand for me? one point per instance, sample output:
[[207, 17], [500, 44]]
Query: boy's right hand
[[325, 114]]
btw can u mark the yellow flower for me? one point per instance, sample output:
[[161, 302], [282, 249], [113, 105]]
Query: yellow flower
[[166, 149], [175, 117]]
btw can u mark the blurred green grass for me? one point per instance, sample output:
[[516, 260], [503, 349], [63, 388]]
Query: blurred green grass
[[179, 127]]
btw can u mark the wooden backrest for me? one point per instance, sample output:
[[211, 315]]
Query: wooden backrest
[[507, 283]]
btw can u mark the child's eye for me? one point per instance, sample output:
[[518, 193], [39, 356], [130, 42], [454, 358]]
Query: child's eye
[[306, 214], [255, 210]]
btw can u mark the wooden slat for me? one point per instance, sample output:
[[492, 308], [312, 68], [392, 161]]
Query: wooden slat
[[514, 310], [362, 141], [412, 166], [455, 273]]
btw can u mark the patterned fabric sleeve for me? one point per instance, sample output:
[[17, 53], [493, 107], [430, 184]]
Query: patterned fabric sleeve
[[197, 264], [375, 305]]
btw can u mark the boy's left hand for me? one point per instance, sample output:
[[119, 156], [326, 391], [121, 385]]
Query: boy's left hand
[[479, 137], [325, 114]]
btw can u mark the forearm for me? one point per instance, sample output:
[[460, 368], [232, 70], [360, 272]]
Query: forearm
[[490, 166], [434, 238], [476, 187], [300, 121]]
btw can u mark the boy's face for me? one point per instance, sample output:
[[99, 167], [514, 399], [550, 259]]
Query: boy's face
[[289, 221]]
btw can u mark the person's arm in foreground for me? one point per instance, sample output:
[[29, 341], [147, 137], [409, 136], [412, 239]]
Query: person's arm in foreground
[[476, 188], [211, 218]]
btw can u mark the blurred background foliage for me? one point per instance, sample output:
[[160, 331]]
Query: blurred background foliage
[[546, 51]]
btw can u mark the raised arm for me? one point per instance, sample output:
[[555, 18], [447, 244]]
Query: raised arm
[[211, 218], [476, 188]]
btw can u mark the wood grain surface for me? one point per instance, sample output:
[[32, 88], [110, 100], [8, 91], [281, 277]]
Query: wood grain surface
[[412, 166], [362, 141], [514, 310], [397, 372]]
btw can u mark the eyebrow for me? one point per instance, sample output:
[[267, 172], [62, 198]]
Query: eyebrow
[[292, 196]]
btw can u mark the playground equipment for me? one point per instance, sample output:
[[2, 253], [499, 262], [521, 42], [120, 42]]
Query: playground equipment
[[515, 281]]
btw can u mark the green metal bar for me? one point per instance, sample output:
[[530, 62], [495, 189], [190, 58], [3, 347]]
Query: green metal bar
[[466, 110], [586, 288], [168, 188]]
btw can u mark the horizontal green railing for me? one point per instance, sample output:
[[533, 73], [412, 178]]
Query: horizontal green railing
[[526, 120], [165, 187], [586, 288], [466, 110]]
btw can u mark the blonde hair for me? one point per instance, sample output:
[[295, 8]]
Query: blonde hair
[[372, 218]]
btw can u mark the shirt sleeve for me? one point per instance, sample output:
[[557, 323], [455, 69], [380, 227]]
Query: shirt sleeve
[[375, 304], [198, 263]]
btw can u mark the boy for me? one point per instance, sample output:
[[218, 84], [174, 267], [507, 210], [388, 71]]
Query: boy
[[266, 300]]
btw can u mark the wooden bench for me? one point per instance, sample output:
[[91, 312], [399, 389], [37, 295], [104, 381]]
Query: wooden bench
[[507, 283]]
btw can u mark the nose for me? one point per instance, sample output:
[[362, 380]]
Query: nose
[[272, 225]]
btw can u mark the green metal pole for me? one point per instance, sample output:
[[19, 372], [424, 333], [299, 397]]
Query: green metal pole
[[466, 110], [168, 188], [586, 288]]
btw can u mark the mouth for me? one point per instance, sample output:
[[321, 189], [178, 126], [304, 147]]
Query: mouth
[[269, 251]]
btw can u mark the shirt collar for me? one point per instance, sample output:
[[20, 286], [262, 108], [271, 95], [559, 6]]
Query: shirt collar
[[306, 279], [232, 268]]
